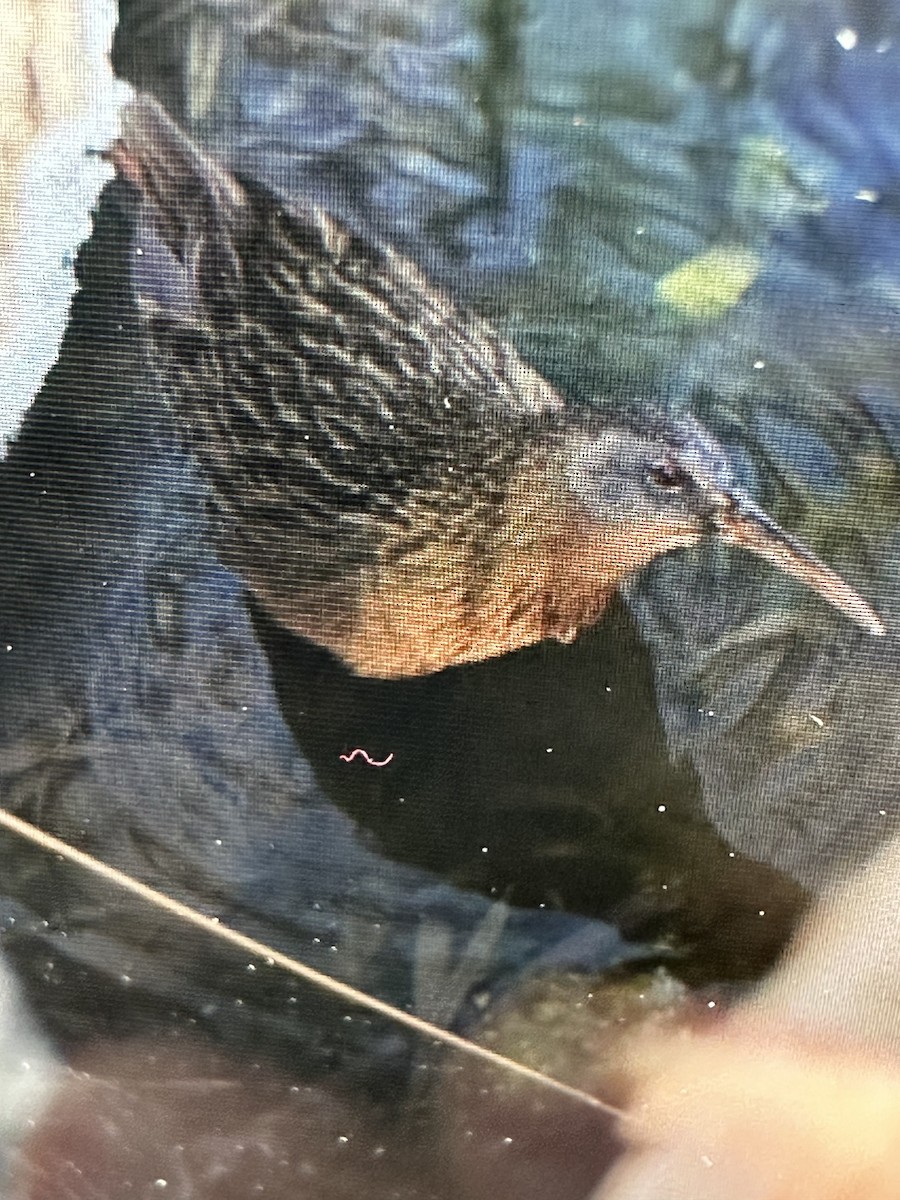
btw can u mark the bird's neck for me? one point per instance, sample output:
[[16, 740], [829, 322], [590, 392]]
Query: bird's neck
[[539, 570]]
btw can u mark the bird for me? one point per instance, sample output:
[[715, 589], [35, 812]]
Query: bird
[[388, 476]]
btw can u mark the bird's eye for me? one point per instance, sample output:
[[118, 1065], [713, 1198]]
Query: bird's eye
[[664, 475]]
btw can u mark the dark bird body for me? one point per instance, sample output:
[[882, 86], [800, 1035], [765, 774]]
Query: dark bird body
[[391, 480]]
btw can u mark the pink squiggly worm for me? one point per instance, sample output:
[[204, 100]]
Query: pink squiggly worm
[[371, 761]]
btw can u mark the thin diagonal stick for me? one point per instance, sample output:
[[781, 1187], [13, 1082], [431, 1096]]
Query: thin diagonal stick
[[270, 955]]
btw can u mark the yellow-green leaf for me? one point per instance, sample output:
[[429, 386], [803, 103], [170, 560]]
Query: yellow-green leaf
[[710, 283]]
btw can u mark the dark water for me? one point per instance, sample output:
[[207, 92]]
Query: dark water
[[669, 788]]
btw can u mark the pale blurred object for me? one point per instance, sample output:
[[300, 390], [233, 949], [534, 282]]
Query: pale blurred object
[[840, 980], [59, 101], [748, 1118], [797, 1096], [30, 1074]]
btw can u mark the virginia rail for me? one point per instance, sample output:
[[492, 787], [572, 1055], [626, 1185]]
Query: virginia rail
[[390, 478]]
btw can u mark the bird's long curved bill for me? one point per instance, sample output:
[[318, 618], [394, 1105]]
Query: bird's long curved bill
[[744, 524]]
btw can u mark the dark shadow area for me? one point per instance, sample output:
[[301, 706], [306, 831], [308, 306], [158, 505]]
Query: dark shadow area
[[541, 778]]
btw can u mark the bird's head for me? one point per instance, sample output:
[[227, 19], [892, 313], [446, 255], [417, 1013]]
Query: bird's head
[[660, 484]]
